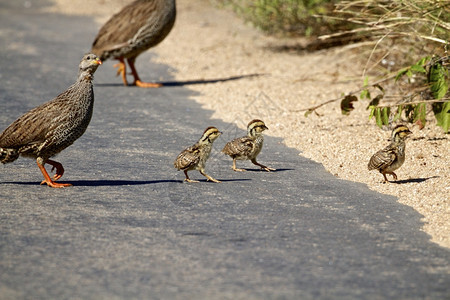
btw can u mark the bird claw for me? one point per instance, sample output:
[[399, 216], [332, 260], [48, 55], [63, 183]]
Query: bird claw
[[57, 185], [190, 180], [213, 180], [141, 84], [268, 169]]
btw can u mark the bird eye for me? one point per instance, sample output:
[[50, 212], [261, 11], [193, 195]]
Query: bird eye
[[88, 58]]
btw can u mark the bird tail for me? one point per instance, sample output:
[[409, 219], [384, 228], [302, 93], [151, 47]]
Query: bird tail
[[8, 155]]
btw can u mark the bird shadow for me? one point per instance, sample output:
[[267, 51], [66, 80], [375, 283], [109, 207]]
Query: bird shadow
[[414, 180], [207, 181], [190, 82], [96, 182], [261, 170], [113, 182]]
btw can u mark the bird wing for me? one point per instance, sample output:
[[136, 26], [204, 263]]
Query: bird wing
[[34, 126], [122, 27], [239, 146], [383, 158], [188, 158], [30, 128]]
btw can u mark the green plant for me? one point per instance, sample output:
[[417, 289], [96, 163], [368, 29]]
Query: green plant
[[434, 79], [401, 31], [285, 17], [429, 89]]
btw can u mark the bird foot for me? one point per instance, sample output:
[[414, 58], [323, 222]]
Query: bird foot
[[59, 170], [213, 180], [190, 180], [393, 175], [57, 185], [121, 70], [239, 170], [141, 84], [268, 169]]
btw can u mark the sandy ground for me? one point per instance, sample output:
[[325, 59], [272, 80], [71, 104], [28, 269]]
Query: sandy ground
[[207, 43]]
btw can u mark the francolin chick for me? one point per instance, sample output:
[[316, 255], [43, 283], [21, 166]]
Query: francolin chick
[[195, 157], [392, 157], [248, 147]]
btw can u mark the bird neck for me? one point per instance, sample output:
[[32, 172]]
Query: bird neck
[[205, 141], [401, 146], [85, 76], [253, 134]]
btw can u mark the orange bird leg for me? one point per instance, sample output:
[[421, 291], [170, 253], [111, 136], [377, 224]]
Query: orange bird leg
[[137, 80], [48, 180], [59, 169], [122, 70]]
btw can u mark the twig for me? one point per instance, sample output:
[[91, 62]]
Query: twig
[[340, 98], [416, 102]]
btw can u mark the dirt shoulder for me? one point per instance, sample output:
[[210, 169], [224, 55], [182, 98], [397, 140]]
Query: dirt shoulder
[[207, 43]]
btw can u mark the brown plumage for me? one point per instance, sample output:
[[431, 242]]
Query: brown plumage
[[53, 126], [392, 157], [195, 157], [248, 147], [139, 26]]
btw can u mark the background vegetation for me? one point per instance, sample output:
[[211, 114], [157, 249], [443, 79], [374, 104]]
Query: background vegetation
[[285, 17], [404, 45]]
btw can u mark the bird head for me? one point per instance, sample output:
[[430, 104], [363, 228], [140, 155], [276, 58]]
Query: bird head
[[90, 62], [210, 135], [400, 132], [256, 127]]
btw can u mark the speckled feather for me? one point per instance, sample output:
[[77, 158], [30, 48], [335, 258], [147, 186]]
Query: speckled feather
[[195, 156], [247, 147], [189, 158], [244, 147], [53, 126], [137, 27], [392, 156], [389, 159]]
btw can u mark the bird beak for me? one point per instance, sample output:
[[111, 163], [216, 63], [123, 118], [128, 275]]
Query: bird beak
[[97, 61], [265, 127]]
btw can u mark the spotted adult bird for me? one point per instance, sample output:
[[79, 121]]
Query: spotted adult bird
[[195, 157], [392, 157], [51, 127], [138, 27], [248, 147]]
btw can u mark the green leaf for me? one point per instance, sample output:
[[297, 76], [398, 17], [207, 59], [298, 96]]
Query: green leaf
[[347, 104], [418, 69], [423, 61], [385, 112], [442, 114], [365, 94], [366, 81], [399, 113], [372, 111], [401, 73], [378, 117], [437, 78], [409, 73]]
